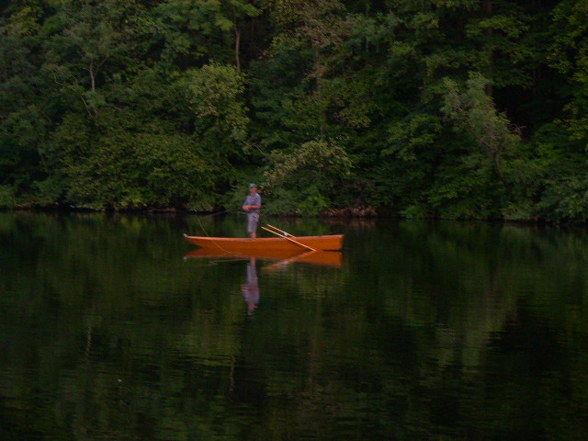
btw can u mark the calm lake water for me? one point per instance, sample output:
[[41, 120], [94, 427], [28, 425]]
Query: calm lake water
[[111, 330]]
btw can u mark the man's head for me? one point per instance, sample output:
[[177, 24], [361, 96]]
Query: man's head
[[252, 188]]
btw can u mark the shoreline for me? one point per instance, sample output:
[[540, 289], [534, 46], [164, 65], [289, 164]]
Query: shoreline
[[351, 213]]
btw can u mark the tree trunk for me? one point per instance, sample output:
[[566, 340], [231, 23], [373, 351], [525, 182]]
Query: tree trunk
[[488, 8], [92, 76], [318, 68], [237, 48], [237, 41]]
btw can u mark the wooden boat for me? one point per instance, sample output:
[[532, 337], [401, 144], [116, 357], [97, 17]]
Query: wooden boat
[[331, 242], [323, 258]]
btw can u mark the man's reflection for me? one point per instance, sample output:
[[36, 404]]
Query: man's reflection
[[250, 289]]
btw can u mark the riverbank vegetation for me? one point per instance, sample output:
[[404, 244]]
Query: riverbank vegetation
[[467, 109]]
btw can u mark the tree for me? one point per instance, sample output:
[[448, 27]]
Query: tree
[[474, 111], [306, 180]]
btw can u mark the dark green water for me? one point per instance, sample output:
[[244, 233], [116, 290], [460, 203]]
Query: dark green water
[[444, 331]]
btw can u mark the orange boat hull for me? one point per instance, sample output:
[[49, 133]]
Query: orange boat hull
[[333, 242]]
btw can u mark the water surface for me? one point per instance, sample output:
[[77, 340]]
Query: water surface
[[109, 330]]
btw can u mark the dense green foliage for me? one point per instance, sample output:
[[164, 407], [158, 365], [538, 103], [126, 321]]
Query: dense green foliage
[[437, 108]]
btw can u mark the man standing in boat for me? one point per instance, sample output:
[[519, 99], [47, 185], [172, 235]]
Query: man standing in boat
[[252, 205]]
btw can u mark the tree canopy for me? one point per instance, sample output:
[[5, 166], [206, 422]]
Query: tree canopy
[[455, 109]]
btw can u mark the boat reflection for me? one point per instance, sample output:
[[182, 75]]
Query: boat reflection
[[324, 258]]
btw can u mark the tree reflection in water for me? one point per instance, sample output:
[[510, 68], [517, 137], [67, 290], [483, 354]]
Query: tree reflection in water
[[453, 331]]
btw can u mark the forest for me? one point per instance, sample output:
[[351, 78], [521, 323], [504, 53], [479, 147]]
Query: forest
[[448, 109]]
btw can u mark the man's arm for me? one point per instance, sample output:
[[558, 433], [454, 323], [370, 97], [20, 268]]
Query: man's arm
[[256, 206]]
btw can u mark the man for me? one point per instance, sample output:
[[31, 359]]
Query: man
[[252, 205]]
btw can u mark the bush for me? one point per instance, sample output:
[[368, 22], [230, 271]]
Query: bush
[[7, 199]]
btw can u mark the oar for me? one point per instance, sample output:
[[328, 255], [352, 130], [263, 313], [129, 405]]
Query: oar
[[281, 232], [285, 233], [290, 239]]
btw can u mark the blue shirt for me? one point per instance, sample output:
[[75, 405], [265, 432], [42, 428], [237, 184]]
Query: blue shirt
[[253, 199]]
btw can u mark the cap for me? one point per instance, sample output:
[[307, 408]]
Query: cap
[[252, 185]]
